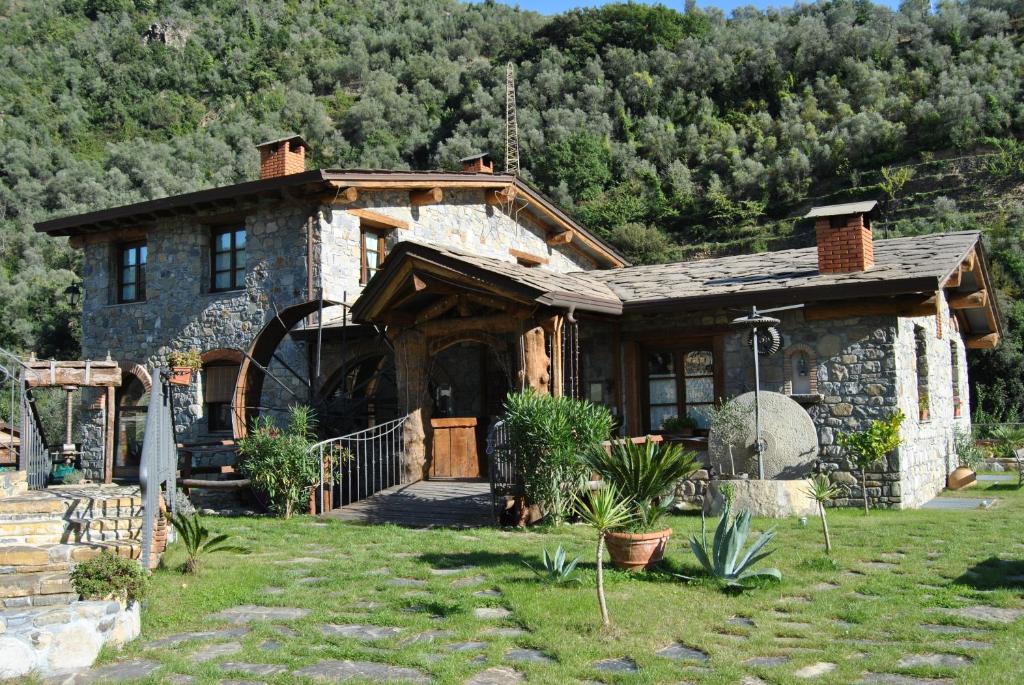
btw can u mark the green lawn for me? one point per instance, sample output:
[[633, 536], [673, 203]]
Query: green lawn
[[867, 624]]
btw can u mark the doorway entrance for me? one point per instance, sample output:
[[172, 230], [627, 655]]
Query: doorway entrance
[[468, 383]]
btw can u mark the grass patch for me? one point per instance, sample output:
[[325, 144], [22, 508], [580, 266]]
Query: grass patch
[[940, 560]]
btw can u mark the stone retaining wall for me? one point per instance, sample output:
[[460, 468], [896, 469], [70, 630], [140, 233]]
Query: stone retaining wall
[[49, 642]]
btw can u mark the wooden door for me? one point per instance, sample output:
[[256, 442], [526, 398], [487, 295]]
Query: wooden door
[[455, 452]]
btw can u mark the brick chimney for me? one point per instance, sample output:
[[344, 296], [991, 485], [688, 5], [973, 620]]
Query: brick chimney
[[282, 157], [479, 163], [844, 239]]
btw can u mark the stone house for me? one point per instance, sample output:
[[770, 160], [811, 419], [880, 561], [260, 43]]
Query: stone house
[[376, 295]]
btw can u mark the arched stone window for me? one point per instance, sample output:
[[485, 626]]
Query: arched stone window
[[800, 371], [220, 373]]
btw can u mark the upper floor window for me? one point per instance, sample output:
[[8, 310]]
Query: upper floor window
[[228, 272], [131, 280], [371, 253]]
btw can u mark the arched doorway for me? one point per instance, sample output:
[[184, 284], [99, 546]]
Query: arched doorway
[[130, 419], [468, 381]]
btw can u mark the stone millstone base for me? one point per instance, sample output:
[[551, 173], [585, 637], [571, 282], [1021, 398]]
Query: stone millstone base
[[768, 498], [52, 641]]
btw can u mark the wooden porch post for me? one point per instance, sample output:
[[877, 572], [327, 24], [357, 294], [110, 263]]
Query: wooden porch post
[[110, 400], [536, 373], [411, 370]]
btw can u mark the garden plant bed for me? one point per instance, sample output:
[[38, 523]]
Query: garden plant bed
[[486, 617]]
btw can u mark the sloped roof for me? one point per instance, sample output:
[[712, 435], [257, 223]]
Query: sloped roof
[[539, 285], [902, 265], [865, 207]]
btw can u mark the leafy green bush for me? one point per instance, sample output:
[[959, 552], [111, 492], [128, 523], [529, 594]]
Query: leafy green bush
[[107, 575], [646, 474], [868, 447], [278, 463], [547, 435]]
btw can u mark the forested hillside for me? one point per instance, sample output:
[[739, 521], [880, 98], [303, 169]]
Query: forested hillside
[[672, 134]]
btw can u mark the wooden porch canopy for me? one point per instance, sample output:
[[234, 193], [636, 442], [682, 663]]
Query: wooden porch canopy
[[418, 284]]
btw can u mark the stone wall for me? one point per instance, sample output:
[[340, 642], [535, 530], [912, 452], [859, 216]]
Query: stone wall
[[463, 220], [49, 642], [927, 455], [863, 370]]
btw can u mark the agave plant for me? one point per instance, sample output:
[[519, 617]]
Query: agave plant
[[199, 543], [725, 559], [822, 491], [555, 568], [605, 510]]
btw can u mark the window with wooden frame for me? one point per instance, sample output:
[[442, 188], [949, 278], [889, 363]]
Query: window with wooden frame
[[680, 382], [219, 390], [372, 250], [227, 259], [131, 272]]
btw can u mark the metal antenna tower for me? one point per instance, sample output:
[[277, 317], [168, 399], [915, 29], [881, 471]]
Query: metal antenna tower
[[511, 124]]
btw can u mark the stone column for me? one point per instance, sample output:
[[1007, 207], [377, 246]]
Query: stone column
[[411, 377]]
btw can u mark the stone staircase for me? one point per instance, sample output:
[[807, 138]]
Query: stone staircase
[[43, 533]]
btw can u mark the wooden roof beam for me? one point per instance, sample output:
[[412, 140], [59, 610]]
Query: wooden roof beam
[[430, 196], [982, 342], [340, 194], [563, 238], [974, 300], [526, 258], [378, 220]]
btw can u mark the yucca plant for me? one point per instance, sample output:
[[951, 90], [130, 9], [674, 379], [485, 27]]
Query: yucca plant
[[198, 542], [555, 568], [725, 559], [605, 510], [645, 473], [822, 491]]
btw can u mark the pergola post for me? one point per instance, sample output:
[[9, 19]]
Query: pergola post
[[412, 365]]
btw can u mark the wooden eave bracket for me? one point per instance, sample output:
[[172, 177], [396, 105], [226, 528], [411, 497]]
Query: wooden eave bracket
[[982, 342], [527, 258], [340, 194]]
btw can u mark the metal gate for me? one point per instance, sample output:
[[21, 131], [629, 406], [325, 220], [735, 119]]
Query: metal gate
[[360, 464]]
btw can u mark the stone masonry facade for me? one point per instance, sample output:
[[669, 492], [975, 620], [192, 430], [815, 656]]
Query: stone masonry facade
[[180, 312]]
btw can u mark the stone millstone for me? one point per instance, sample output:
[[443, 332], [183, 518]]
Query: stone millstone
[[791, 441]]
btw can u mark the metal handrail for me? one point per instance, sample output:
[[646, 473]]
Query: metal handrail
[[32, 454], [360, 464]]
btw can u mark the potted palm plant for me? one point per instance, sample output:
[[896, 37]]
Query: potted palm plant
[[184, 363], [644, 474]]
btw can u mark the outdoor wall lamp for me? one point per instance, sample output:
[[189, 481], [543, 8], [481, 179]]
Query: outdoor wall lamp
[[73, 295]]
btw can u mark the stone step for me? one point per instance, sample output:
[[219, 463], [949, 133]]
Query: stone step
[[32, 531], [37, 502], [15, 585], [13, 483], [105, 529]]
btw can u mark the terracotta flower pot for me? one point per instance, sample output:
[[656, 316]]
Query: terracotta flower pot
[[636, 551], [962, 477], [181, 375]]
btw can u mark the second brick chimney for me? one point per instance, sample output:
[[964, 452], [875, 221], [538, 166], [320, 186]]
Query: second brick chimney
[[843, 234], [480, 163], [282, 156]]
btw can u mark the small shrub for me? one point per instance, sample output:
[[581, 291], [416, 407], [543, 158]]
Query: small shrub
[[198, 542], [604, 510], [822, 492], [547, 435], [185, 358], [968, 453], [554, 567], [868, 447], [107, 576], [278, 462]]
